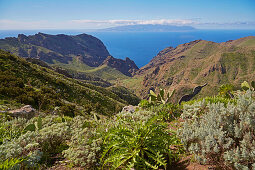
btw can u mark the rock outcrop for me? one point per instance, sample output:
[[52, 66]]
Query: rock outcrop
[[26, 111], [127, 66], [130, 109]]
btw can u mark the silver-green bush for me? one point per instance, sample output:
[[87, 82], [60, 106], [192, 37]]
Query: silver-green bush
[[222, 135], [36, 146], [85, 143]]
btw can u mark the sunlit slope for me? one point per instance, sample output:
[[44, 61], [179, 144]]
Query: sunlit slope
[[196, 63]]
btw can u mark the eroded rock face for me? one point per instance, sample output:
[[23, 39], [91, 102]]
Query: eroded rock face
[[26, 111], [127, 66]]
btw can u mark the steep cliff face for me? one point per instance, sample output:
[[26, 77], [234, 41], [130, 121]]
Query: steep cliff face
[[127, 66], [196, 63], [61, 48]]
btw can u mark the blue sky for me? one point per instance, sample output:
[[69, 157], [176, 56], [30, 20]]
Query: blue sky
[[87, 14]]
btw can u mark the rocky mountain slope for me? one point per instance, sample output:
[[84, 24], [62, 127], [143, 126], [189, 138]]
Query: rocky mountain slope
[[127, 66], [196, 63], [45, 89], [57, 47], [63, 49]]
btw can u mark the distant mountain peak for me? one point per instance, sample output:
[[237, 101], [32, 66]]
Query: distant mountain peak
[[61, 47], [148, 28]]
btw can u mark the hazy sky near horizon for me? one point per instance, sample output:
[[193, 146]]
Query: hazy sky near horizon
[[93, 14]]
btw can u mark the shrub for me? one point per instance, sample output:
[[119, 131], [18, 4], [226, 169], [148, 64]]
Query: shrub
[[130, 118], [168, 111], [12, 163], [88, 141], [10, 130], [38, 146], [84, 148], [144, 104], [212, 99], [221, 135], [68, 110], [85, 143], [138, 140], [226, 90]]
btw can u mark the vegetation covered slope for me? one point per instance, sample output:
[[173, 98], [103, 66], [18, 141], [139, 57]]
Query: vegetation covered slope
[[103, 71], [60, 47], [197, 63], [74, 52], [45, 89]]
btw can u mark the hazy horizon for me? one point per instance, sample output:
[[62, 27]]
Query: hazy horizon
[[84, 14], [141, 47]]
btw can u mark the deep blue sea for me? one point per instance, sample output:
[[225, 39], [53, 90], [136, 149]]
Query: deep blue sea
[[143, 46]]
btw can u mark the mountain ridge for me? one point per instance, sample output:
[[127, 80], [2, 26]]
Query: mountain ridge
[[59, 47], [196, 63], [65, 49]]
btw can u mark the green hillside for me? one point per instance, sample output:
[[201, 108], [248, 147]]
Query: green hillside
[[104, 72], [77, 53], [59, 47], [196, 63], [44, 89]]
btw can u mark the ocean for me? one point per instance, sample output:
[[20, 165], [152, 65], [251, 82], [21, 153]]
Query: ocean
[[143, 46]]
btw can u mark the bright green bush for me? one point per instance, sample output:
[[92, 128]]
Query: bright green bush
[[143, 146], [12, 129], [212, 99], [168, 111], [221, 135], [144, 104], [138, 140], [11, 164], [226, 90]]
